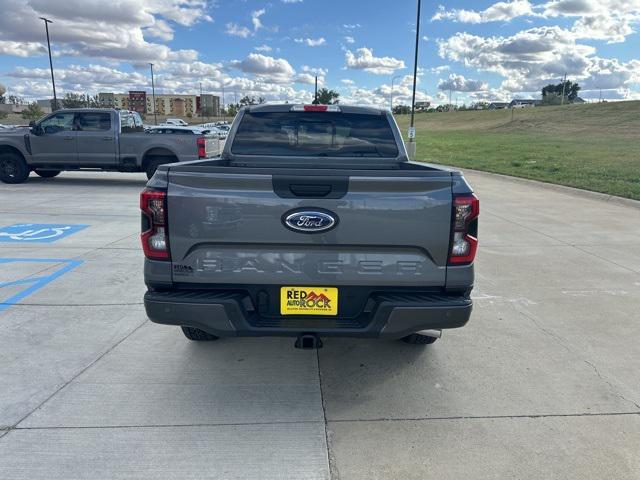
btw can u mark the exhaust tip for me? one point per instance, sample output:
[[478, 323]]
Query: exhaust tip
[[308, 341]]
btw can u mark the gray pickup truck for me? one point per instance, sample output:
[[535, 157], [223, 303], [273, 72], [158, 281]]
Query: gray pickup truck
[[312, 223], [102, 139]]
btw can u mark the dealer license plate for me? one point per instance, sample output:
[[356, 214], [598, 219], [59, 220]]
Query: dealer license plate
[[308, 301]]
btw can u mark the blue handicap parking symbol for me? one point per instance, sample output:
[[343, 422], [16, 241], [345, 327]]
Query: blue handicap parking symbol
[[37, 232]]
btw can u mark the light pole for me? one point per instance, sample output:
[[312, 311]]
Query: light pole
[[224, 112], [53, 81], [153, 94], [201, 106], [412, 131], [391, 94]]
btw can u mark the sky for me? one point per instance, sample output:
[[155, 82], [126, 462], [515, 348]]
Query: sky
[[471, 50]]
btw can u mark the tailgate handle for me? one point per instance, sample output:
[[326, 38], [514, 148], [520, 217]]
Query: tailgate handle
[[316, 191]]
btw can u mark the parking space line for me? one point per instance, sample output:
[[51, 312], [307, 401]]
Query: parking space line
[[38, 282]]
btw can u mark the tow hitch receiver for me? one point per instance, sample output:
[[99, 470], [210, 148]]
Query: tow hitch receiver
[[308, 341]]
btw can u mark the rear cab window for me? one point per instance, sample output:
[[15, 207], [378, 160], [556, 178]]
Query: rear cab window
[[314, 134], [93, 121]]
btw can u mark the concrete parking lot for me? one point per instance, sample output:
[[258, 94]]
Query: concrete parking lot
[[544, 381]]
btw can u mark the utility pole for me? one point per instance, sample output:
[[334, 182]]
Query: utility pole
[[412, 131], [449, 107], [564, 84], [224, 111], [53, 81], [201, 108], [315, 96], [153, 93]]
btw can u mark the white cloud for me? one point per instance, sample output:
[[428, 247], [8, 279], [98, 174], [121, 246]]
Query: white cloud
[[263, 48], [609, 20], [363, 59], [309, 74], [255, 19], [86, 28], [237, 31], [498, 12], [440, 69], [266, 68], [347, 81], [533, 58], [459, 83], [311, 42], [291, 1], [349, 39]]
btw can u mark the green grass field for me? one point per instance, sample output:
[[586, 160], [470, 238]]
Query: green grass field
[[594, 147]]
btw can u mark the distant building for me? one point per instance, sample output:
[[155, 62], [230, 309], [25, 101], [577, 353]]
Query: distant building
[[522, 103], [209, 104], [165, 104], [45, 104], [422, 106], [498, 105], [138, 101]]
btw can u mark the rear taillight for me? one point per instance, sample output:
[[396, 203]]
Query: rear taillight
[[464, 229], [154, 236], [202, 147]]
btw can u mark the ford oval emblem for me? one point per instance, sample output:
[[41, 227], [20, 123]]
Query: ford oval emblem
[[310, 221]]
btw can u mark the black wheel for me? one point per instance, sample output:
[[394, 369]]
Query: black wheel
[[47, 173], [197, 335], [13, 168], [417, 339], [152, 166], [154, 163]]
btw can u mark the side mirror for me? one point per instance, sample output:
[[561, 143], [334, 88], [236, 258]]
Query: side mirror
[[35, 128]]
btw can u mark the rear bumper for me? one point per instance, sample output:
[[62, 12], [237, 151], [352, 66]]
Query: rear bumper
[[231, 314]]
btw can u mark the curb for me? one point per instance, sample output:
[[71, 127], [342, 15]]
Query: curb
[[628, 202]]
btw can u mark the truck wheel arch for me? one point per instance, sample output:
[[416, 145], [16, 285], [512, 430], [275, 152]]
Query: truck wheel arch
[[158, 153], [12, 149]]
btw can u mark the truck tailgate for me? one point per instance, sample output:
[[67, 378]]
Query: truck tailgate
[[228, 228]]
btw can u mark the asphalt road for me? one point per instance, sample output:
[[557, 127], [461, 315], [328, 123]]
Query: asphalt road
[[544, 382]]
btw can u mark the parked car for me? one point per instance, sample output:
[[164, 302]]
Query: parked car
[[102, 139], [175, 121], [312, 223], [173, 130]]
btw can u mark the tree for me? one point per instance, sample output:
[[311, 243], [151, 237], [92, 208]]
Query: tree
[[247, 100], [480, 105], [32, 112], [15, 100], [79, 100], [3, 114], [232, 109], [401, 109], [552, 93], [327, 97]]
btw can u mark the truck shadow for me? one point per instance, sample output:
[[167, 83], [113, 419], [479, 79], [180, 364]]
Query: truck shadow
[[80, 181]]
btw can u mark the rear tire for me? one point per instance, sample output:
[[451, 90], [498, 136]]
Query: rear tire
[[417, 339], [197, 335], [13, 168], [47, 173], [154, 163]]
